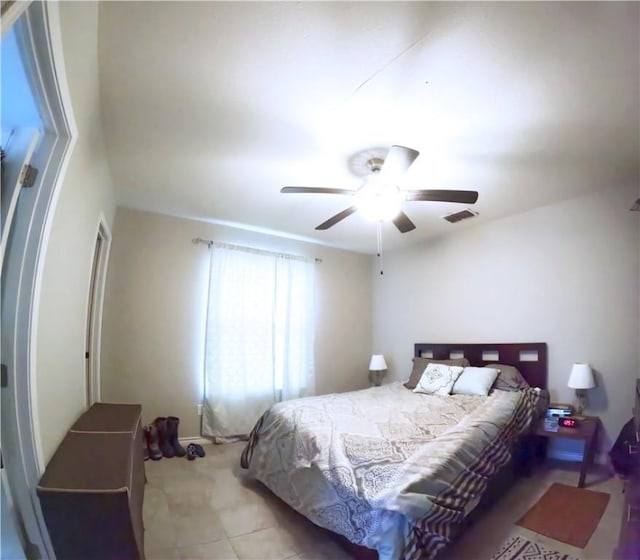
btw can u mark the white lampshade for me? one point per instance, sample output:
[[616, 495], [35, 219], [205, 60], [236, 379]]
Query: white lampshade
[[377, 363], [581, 377]]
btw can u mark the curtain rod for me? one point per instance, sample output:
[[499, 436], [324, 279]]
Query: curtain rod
[[211, 243]]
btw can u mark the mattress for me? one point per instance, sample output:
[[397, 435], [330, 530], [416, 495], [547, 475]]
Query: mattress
[[387, 468]]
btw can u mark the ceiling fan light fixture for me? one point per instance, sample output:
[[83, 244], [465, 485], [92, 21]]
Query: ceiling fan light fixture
[[379, 198], [377, 201]]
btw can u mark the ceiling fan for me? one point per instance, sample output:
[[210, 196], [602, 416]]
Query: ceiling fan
[[379, 198]]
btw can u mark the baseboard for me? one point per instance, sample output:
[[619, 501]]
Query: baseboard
[[194, 439]]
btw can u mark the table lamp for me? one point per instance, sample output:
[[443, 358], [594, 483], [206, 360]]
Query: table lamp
[[581, 379], [377, 369]]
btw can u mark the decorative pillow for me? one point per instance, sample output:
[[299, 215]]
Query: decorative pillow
[[420, 364], [509, 378], [438, 379], [475, 381]]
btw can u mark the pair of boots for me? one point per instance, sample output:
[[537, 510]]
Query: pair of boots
[[161, 437]]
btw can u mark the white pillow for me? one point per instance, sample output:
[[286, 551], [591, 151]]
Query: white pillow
[[475, 381], [438, 379]]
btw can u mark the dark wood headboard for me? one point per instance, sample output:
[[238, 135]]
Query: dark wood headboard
[[529, 357]]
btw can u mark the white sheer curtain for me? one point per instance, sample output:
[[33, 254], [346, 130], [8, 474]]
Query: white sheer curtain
[[259, 336]]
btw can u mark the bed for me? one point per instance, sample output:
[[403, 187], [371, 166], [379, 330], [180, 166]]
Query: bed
[[394, 471]]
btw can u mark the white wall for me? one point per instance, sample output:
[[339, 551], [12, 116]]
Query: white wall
[[85, 194], [153, 331], [565, 274]]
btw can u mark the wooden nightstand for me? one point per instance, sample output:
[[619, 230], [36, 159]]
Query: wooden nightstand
[[586, 431]]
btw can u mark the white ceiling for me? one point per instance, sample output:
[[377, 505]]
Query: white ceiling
[[210, 108]]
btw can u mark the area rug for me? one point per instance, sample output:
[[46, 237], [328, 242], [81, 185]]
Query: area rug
[[519, 548], [566, 513]]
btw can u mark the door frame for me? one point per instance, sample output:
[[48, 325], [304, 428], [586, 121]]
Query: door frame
[[21, 145], [11, 10], [38, 32], [94, 311]]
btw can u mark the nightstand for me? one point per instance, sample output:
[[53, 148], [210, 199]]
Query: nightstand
[[586, 431]]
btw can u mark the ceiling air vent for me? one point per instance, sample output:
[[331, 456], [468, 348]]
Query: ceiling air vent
[[636, 206], [459, 216]]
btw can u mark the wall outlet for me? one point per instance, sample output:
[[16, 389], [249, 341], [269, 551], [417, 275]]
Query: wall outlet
[[199, 408]]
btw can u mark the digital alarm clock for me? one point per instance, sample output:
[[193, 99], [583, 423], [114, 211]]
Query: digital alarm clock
[[568, 422]]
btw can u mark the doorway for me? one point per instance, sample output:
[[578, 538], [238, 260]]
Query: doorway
[[21, 130], [35, 37], [94, 313]]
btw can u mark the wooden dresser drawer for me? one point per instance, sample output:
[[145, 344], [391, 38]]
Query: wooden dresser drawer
[[633, 449], [629, 541], [636, 410], [632, 489]]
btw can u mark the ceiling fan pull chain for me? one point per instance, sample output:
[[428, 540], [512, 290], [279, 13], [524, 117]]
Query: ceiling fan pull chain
[[379, 235]]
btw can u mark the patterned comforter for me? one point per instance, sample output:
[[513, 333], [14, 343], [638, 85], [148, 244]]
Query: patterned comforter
[[387, 468]]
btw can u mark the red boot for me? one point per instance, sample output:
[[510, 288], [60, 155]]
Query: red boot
[[152, 440]]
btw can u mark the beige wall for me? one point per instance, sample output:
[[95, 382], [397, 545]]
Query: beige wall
[[565, 274], [153, 331], [85, 195]]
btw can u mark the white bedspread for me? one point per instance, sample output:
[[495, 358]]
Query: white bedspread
[[387, 468]]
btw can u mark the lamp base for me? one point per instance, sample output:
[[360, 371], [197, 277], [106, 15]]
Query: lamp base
[[375, 377], [580, 401]]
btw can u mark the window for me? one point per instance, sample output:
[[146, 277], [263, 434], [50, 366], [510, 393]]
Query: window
[[259, 336]]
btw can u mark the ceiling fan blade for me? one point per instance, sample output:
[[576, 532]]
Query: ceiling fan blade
[[403, 223], [398, 160], [445, 195], [337, 218], [316, 190]]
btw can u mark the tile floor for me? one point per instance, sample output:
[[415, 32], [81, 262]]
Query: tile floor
[[207, 509]]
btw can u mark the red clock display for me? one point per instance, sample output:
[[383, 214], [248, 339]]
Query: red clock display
[[568, 422]]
